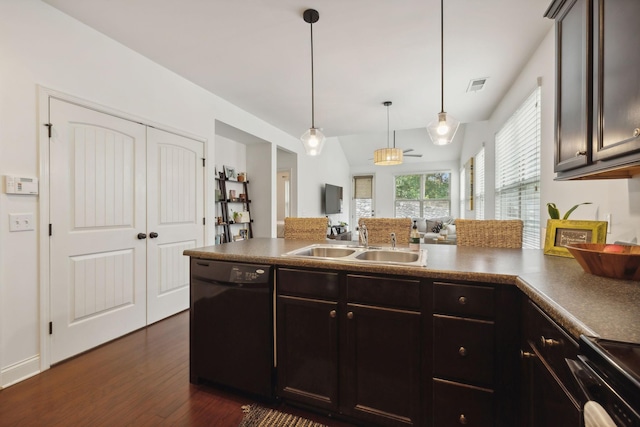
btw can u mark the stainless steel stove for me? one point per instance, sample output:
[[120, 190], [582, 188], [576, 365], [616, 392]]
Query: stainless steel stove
[[608, 373]]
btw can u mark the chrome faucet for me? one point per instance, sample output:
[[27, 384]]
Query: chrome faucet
[[393, 240], [364, 236]]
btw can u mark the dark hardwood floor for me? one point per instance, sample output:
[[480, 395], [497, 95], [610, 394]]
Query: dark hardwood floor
[[141, 379]]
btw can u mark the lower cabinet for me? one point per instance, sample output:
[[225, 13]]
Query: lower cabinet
[[350, 344], [548, 390], [475, 354]]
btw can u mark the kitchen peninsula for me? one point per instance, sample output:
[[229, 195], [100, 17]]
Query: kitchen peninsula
[[414, 301]]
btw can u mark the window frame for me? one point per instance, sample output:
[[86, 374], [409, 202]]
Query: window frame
[[422, 202]]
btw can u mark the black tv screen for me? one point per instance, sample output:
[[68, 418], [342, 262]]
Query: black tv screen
[[332, 199]]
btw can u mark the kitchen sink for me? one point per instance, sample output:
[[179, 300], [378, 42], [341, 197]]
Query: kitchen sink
[[361, 254], [388, 256]]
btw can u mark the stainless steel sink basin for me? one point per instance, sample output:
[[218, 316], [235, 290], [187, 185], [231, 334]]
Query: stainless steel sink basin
[[389, 256], [361, 254], [325, 252]]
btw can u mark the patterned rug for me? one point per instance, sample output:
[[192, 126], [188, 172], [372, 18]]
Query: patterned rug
[[257, 416]]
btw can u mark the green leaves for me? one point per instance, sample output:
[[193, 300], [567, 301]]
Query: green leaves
[[554, 213]]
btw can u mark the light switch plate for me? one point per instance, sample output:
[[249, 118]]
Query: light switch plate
[[21, 222]]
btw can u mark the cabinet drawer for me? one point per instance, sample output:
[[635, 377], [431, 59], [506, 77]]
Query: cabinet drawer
[[313, 284], [384, 291], [460, 404], [465, 300], [463, 349]]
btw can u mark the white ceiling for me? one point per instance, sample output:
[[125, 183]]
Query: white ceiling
[[256, 55]]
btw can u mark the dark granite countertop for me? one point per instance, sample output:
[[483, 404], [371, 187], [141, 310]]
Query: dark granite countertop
[[582, 303]]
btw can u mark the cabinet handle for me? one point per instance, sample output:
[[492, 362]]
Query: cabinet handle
[[350, 315], [527, 355], [462, 419], [548, 342], [153, 235], [636, 132], [581, 153], [462, 300], [141, 236], [462, 351], [332, 314]]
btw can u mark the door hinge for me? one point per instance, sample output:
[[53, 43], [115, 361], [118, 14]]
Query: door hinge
[[50, 328], [50, 230], [204, 162], [204, 221], [49, 125]]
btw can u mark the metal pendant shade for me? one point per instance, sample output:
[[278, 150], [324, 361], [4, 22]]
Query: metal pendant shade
[[443, 129], [313, 139], [388, 156]]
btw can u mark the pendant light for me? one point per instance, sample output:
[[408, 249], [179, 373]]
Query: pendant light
[[313, 139], [444, 128], [387, 156]]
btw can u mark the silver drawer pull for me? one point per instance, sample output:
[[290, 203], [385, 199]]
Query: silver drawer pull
[[462, 300], [636, 132], [332, 314], [462, 419], [548, 342], [581, 153], [462, 351], [526, 355]]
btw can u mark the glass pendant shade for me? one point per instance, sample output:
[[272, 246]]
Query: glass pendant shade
[[387, 156], [442, 130], [313, 141]]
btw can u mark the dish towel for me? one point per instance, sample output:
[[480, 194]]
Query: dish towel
[[596, 416]]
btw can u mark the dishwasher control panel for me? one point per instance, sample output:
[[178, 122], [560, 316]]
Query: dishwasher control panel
[[248, 274]]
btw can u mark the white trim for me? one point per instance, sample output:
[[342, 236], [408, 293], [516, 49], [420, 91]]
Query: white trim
[[44, 94], [20, 371]]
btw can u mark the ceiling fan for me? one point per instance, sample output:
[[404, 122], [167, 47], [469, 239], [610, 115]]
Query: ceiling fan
[[404, 152]]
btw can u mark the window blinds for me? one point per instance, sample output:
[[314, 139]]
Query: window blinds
[[478, 186], [518, 169], [363, 188]]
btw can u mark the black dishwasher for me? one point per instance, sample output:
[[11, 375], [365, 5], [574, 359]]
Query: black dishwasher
[[231, 325]]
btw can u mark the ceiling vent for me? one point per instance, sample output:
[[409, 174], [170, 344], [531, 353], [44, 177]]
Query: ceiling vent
[[476, 85]]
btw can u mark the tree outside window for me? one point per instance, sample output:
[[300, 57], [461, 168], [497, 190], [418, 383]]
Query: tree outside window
[[423, 195]]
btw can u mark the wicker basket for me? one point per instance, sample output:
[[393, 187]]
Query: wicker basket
[[489, 233], [380, 229], [314, 229]]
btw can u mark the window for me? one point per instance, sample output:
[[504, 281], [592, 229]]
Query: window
[[518, 169], [463, 174], [478, 186], [363, 196], [423, 195]]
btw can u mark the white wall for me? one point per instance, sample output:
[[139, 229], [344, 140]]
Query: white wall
[[41, 46], [620, 198]]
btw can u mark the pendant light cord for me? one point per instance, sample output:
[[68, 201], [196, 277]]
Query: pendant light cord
[[388, 125], [313, 125], [442, 56]]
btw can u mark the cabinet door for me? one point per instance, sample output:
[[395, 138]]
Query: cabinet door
[[307, 351], [616, 90], [573, 86], [382, 360], [545, 401]]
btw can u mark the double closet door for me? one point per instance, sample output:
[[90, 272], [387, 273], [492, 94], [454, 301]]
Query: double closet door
[[125, 201]]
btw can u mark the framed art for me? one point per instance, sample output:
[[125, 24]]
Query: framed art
[[230, 173], [562, 232]]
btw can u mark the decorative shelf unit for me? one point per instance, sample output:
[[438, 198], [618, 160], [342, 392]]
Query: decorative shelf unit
[[230, 204]]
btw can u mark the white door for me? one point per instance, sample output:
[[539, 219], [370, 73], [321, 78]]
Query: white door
[[97, 209], [175, 179]]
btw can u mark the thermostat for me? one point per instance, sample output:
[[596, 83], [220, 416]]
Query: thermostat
[[20, 185]]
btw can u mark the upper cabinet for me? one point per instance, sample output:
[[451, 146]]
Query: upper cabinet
[[597, 88]]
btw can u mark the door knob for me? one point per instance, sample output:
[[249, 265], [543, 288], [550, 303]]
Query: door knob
[[153, 235], [142, 236]]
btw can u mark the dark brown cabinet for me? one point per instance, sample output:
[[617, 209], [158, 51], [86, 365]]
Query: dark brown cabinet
[[548, 390], [350, 344], [475, 354], [597, 91]]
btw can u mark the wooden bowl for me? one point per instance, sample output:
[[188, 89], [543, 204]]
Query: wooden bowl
[[601, 259]]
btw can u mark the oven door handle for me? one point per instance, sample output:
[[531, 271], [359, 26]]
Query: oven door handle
[[586, 381]]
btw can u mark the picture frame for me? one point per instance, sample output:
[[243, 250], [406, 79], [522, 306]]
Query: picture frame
[[244, 233], [230, 173], [561, 232]]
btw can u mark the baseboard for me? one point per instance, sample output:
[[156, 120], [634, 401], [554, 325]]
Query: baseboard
[[20, 371]]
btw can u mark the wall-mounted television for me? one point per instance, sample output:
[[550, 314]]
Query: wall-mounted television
[[332, 199]]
